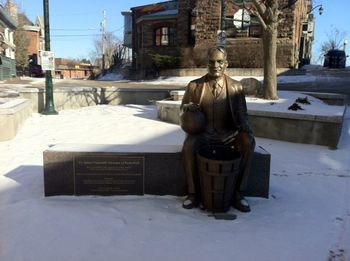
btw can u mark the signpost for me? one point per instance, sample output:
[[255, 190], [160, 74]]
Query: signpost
[[47, 61], [221, 37], [49, 103]]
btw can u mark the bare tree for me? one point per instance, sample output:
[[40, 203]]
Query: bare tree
[[335, 40], [268, 13], [22, 42], [111, 43]]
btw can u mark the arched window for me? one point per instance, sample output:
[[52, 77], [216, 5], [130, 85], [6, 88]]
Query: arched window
[[164, 36]]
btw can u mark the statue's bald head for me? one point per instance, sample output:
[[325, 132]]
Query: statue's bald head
[[217, 49]]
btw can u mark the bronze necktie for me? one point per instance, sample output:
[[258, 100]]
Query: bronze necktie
[[216, 89]]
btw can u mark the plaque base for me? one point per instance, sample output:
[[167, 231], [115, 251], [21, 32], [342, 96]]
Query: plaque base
[[90, 169], [103, 174]]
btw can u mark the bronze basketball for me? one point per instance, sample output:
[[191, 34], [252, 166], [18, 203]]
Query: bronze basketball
[[193, 122]]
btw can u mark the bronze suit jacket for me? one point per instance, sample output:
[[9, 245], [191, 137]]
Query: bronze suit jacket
[[235, 96]]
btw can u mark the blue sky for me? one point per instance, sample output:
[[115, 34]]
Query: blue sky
[[82, 18]]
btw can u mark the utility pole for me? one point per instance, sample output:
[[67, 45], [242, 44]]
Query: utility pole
[[223, 14], [345, 44], [103, 29], [221, 34], [49, 102]]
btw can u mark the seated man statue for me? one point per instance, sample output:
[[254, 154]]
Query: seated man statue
[[222, 101]]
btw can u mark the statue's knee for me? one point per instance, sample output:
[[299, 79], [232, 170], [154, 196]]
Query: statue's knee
[[245, 142], [190, 143]]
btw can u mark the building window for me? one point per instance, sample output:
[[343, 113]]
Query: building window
[[165, 36], [255, 28], [242, 24], [241, 19], [7, 34]]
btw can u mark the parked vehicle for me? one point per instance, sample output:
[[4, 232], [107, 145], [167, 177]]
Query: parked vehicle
[[335, 59], [35, 70]]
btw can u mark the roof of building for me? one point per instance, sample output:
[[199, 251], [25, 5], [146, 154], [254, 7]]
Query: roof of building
[[149, 7], [161, 10], [167, 14], [33, 28], [23, 19], [6, 19], [39, 20]]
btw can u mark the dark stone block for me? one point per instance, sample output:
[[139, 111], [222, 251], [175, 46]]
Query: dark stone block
[[259, 180], [163, 172], [58, 173], [165, 175]]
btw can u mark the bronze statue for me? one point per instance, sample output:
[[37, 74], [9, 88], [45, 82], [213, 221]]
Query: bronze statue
[[222, 101]]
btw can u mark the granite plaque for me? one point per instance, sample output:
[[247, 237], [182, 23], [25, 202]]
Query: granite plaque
[[108, 175]]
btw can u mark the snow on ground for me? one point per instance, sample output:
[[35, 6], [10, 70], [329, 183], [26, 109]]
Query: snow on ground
[[306, 216]]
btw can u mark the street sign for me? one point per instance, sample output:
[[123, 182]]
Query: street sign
[[221, 37], [47, 61]]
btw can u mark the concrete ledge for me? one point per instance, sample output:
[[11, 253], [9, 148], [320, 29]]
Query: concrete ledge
[[329, 98], [12, 115], [318, 130], [163, 171], [288, 126], [74, 98]]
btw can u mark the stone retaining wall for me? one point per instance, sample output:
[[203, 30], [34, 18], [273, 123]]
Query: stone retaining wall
[[287, 126], [12, 115], [74, 98]]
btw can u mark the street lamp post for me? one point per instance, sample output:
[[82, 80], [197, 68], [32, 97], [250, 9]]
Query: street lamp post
[[305, 52], [49, 102], [320, 9]]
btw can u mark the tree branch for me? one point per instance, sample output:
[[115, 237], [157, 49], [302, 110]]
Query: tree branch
[[261, 20], [260, 7], [259, 12]]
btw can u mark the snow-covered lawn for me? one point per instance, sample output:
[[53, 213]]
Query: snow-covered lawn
[[306, 216]]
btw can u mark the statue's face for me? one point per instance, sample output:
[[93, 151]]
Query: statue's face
[[217, 64]]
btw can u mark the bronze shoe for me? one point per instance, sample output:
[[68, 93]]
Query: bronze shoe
[[190, 202]]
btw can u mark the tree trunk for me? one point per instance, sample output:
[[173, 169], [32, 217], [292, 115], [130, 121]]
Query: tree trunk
[[270, 67]]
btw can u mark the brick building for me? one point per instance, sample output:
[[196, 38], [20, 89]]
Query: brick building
[[186, 28], [7, 47], [65, 68], [35, 32]]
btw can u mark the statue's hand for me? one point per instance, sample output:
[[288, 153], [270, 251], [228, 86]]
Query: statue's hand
[[191, 107]]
